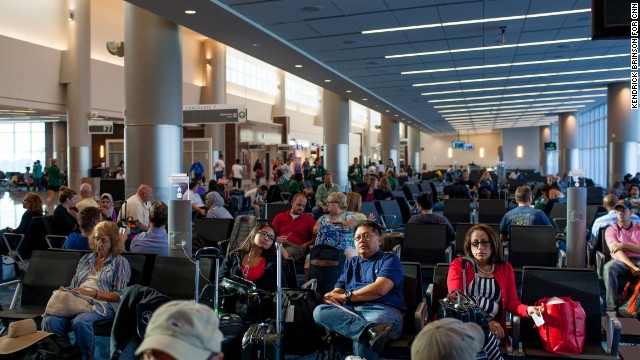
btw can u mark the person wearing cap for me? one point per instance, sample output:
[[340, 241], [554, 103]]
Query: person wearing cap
[[182, 330], [609, 202], [448, 339], [371, 288], [623, 240]]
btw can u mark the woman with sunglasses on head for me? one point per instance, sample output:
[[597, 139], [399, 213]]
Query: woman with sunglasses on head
[[254, 259], [496, 285], [101, 275]]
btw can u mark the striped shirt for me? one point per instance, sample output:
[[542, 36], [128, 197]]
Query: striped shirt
[[113, 276], [489, 295]]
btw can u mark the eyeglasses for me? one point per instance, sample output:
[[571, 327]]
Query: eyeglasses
[[483, 243], [265, 234], [333, 202], [366, 237], [105, 241]]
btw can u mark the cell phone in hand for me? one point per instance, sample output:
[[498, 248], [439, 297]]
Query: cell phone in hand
[[123, 230]]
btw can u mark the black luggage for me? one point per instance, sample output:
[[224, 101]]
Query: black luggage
[[263, 341], [230, 325], [301, 334]]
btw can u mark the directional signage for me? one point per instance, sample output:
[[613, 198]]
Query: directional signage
[[214, 114], [100, 127]]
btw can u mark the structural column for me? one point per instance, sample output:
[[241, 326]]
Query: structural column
[[623, 133], [567, 143], [278, 108], [153, 101], [79, 93], [59, 145], [545, 136], [335, 126], [413, 146], [366, 140], [215, 92], [390, 140]]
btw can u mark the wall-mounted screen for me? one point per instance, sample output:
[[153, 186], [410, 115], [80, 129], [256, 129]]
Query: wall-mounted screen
[[457, 144], [550, 146], [469, 147]]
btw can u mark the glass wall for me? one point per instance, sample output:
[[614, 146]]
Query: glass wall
[[592, 143], [22, 144]]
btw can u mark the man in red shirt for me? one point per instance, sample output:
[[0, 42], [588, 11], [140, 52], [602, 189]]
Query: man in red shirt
[[295, 229]]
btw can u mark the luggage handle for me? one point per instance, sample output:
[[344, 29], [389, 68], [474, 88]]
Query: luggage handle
[[279, 287], [199, 253], [459, 296], [473, 263]]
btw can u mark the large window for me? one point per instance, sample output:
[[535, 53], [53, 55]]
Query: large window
[[251, 73], [592, 142], [301, 92], [22, 144]]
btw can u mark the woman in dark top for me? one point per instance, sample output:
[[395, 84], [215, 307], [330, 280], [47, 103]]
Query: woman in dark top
[[254, 259], [33, 204], [65, 214], [373, 193]]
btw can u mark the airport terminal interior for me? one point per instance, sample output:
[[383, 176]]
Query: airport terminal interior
[[224, 111]]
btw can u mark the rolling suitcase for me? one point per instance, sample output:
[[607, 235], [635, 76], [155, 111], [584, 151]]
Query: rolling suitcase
[[230, 325], [263, 341]]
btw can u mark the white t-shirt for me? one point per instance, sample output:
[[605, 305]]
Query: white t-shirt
[[218, 165], [237, 171]]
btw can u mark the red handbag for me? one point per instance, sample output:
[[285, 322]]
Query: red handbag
[[563, 330]]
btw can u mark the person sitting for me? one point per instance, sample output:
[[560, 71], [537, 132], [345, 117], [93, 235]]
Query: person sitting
[[102, 275], [523, 215], [516, 175], [634, 196], [295, 229], [496, 286], [372, 192], [552, 181], [257, 199], [182, 330], [449, 339], [32, 203], [385, 185], [322, 193], [354, 203], [107, 207], [465, 181], [65, 214], [372, 287], [623, 240], [137, 208], [426, 216], [609, 202], [295, 185], [197, 205], [86, 193], [335, 229], [485, 186], [215, 202], [393, 182], [154, 240], [87, 220]]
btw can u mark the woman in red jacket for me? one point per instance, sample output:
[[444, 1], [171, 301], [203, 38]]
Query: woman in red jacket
[[496, 282]]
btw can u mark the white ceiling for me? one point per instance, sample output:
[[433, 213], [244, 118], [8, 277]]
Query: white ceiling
[[325, 36]]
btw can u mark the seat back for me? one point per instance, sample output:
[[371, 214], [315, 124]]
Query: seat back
[[369, 207], [425, 243], [141, 267], [48, 270], [34, 238], [592, 215], [411, 190], [559, 210], [533, 245], [490, 210], [404, 206], [175, 276], [440, 289], [213, 230], [388, 209], [579, 284], [594, 195], [461, 231], [48, 224], [456, 210], [412, 295], [242, 226], [290, 275], [273, 209]]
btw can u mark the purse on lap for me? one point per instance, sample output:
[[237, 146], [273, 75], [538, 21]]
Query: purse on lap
[[66, 303]]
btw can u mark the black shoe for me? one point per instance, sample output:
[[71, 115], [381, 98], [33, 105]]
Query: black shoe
[[378, 336]]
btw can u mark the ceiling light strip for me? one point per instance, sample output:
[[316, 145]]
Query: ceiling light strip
[[517, 101], [514, 95], [500, 108], [483, 48], [477, 21], [521, 77], [537, 62]]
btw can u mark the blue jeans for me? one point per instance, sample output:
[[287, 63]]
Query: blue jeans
[[82, 326], [353, 327], [219, 175], [257, 181], [612, 270]]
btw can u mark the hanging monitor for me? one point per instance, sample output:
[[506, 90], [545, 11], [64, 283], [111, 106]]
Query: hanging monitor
[[457, 144], [469, 147]]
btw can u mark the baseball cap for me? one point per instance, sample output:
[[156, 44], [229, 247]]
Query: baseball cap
[[183, 329], [449, 339], [624, 204]]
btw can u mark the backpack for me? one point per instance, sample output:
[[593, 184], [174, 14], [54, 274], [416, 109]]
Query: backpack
[[301, 334], [629, 302]]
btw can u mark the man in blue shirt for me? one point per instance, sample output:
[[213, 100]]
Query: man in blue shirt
[[197, 170], [367, 303], [524, 214], [88, 218], [155, 239]]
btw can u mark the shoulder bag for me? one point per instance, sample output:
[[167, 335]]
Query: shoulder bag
[[67, 303]]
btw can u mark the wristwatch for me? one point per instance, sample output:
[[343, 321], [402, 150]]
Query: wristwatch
[[347, 295]]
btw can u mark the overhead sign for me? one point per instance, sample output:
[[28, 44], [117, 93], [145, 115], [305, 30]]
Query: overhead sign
[[214, 114], [100, 127], [257, 146]]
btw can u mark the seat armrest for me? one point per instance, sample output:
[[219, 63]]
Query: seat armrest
[[16, 293], [448, 254], [385, 222], [613, 330], [515, 335], [429, 300], [559, 223], [506, 253], [600, 260], [49, 239], [397, 250], [224, 245], [419, 317], [562, 259]]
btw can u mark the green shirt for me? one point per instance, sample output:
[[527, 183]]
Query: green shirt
[[393, 182], [323, 193], [357, 177], [316, 174], [294, 186], [54, 175]]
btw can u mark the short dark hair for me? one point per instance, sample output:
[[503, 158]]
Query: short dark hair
[[193, 184], [371, 225], [523, 193], [264, 188], [159, 213], [89, 217], [425, 202]]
